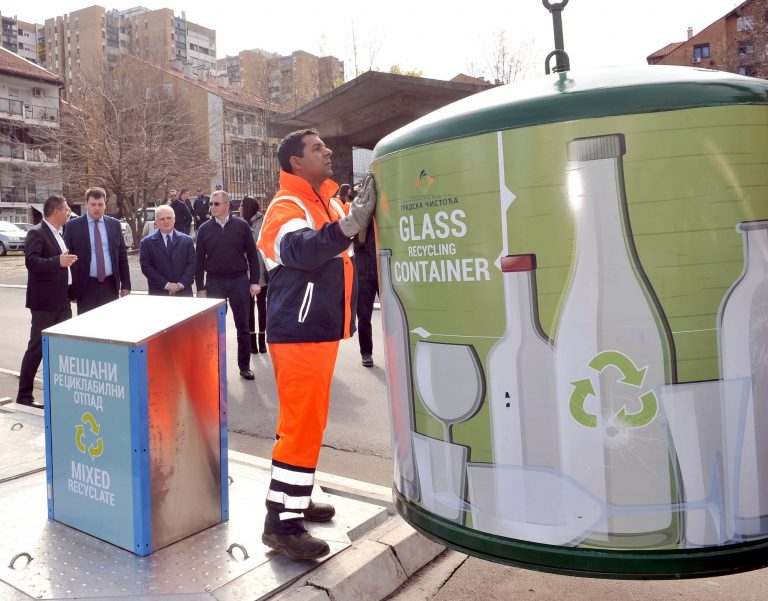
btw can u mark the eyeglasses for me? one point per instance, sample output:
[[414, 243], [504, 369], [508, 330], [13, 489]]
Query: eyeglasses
[[216, 204]]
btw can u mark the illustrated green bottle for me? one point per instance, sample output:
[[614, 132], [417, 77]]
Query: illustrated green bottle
[[613, 348], [743, 337], [397, 357]]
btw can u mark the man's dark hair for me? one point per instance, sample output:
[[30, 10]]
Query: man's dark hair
[[53, 202], [183, 190], [292, 145], [344, 192], [248, 207], [96, 193]]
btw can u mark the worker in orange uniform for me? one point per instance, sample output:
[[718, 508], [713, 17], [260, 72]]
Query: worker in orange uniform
[[306, 241]]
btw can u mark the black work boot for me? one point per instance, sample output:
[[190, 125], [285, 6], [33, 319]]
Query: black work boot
[[319, 512], [299, 545], [262, 342]]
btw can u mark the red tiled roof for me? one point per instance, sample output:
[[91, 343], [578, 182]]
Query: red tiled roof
[[666, 50], [13, 64]]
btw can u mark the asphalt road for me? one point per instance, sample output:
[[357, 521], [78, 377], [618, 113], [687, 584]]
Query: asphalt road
[[357, 443]]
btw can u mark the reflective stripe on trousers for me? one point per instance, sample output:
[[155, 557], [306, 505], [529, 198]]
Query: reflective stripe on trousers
[[303, 372]]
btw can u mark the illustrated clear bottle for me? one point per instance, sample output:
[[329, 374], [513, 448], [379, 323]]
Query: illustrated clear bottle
[[612, 347], [397, 356], [744, 354], [521, 376]]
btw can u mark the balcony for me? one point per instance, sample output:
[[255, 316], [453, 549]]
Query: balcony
[[245, 131], [31, 154], [21, 195], [29, 112]]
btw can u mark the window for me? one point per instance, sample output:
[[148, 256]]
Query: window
[[701, 51], [748, 70], [745, 23], [746, 47]]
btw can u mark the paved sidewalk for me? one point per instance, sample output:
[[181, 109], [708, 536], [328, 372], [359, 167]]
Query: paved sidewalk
[[373, 552]]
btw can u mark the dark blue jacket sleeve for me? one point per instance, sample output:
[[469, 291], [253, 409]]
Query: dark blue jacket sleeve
[[190, 258], [308, 249], [147, 262]]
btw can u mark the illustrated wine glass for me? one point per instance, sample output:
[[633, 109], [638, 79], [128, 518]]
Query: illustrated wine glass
[[449, 378]]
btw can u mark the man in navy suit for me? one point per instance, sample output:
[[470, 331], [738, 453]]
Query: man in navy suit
[[101, 275], [167, 257], [48, 278]]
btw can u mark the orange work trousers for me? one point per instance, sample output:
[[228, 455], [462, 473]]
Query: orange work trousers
[[303, 372]]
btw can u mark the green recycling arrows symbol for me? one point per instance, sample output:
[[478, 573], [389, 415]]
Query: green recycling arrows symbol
[[95, 449], [633, 376]]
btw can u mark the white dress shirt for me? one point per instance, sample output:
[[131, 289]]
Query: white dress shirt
[[62, 246]]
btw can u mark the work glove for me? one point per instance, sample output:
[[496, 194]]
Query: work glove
[[361, 209]]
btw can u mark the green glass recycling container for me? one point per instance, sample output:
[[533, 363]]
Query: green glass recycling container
[[574, 288]]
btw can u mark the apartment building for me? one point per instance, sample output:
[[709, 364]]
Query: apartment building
[[21, 37], [83, 40], [30, 164], [737, 42], [232, 123], [289, 81]]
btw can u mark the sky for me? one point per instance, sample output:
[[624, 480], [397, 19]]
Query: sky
[[441, 39]]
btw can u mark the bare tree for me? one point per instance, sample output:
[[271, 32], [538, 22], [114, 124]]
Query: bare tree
[[510, 62], [133, 135], [364, 48]]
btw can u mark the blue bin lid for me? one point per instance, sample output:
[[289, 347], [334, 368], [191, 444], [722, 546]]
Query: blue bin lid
[[578, 95]]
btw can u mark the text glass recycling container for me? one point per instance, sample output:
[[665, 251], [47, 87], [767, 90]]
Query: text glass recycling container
[[582, 353]]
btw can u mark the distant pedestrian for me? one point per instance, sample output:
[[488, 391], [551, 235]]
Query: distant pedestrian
[[367, 288], [48, 264], [101, 274], [201, 208], [228, 267], [184, 195], [167, 257], [344, 193], [183, 214], [250, 210]]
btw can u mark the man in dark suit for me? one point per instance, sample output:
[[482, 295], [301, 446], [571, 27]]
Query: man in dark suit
[[201, 208], [167, 257], [183, 214], [101, 275], [48, 278]]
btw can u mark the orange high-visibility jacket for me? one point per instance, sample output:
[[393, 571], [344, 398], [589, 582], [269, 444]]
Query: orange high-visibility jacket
[[312, 286]]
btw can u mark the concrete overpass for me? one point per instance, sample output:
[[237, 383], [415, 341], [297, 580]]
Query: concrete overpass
[[362, 111]]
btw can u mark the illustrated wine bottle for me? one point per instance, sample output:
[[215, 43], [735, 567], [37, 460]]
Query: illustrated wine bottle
[[521, 376], [744, 354], [612, 347], [397, 357]]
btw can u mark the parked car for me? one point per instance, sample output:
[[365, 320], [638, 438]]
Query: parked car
[[149, 224], [127, 234], [24, 226], [11, 237]]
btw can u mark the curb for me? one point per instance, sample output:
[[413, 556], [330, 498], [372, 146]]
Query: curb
[[372, 568]]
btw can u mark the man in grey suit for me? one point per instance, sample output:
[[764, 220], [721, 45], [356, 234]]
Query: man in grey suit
[[48, 278], [101, 275]]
